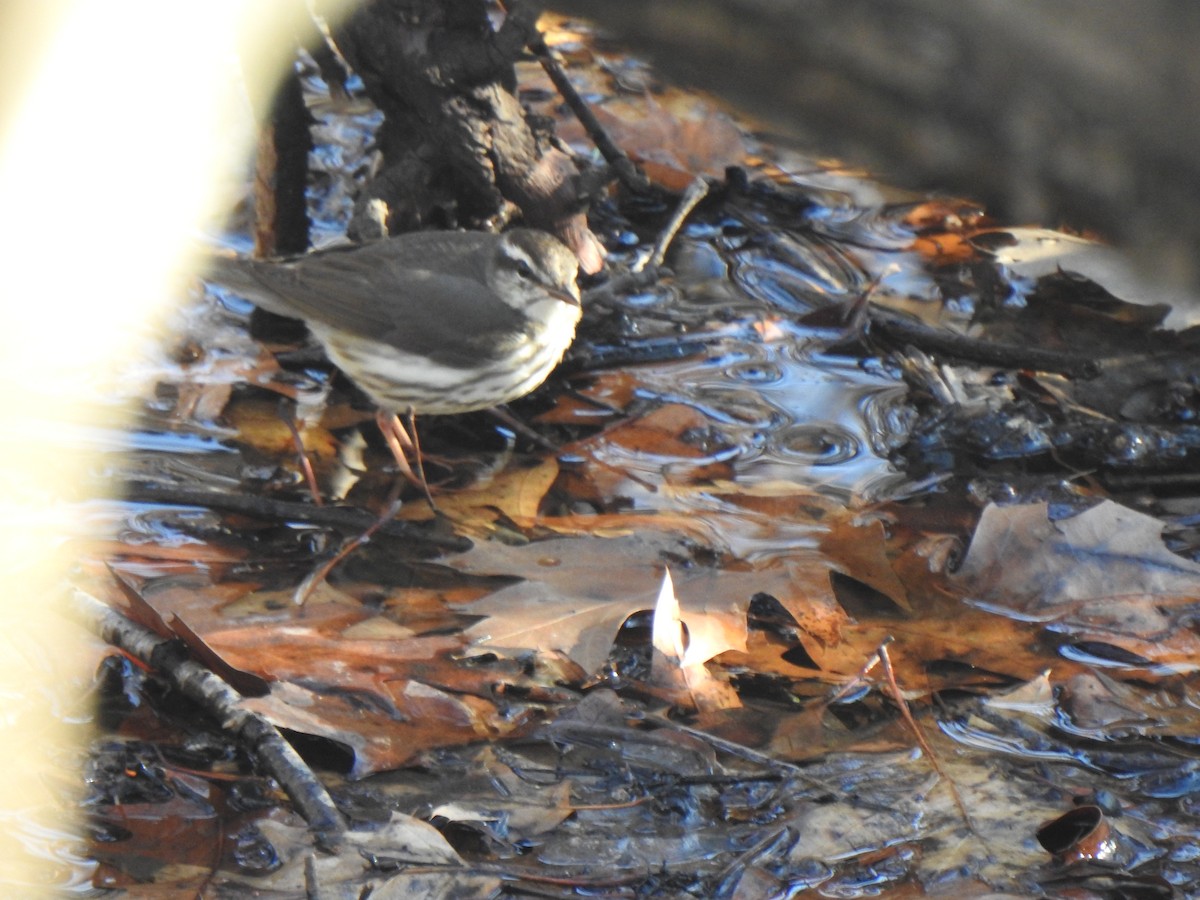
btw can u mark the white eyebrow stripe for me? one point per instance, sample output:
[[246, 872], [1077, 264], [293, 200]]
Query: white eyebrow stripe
[[512, 251]]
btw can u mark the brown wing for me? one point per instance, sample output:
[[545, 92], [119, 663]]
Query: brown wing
[[422, 292]]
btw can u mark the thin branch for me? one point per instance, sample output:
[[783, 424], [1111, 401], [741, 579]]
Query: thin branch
[[747, 753], [696, 191], [322, 571], [273, 754], [769, 842], [621, 164], [340, 518], [889, 675], [897, 329]]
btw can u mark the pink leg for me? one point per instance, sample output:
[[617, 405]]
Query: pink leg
[[401, 441]]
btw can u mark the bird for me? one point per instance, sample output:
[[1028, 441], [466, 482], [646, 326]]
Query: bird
[[429, 322]]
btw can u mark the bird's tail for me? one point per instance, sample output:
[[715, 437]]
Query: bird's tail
[[244, 277]]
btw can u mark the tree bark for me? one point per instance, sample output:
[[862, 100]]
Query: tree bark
[[457, 147]]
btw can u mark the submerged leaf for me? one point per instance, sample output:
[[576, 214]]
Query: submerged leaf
[[1025, 563], [587, 587]]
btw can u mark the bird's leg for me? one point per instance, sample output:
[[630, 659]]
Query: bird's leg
[[410, 420], [306, 466], [402, 440], [397, 440]]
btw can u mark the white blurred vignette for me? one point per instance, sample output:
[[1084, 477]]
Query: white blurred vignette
[[115, 145]]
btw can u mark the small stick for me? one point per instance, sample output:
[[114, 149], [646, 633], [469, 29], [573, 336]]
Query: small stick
[[341, 518], [621, 164], [894, 688], [696, 191], [896, 328], [757, 850], [743, 752], [860, 678], [321, 572], [504, 416], [273, 754]]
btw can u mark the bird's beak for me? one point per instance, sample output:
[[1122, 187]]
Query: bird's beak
[[571, 297]]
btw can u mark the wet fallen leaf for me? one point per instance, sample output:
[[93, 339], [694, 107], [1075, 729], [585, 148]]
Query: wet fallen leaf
[[385, 731], [939, 215], [860, 549], [260, 424], [515, 493], [384, 699], [605, 395], [438, 886], [1035, 695], [1103, 574], [642, 453], [202, 402], [1023, 562], [1103, 705], [403, 840], [676, 668], [524, 809], [179, 835], [673, 147], [586, 588]]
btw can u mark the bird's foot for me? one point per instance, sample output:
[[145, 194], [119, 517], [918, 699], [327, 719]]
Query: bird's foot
[[401, 441]]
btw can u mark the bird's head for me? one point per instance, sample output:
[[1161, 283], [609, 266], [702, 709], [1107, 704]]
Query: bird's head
[[530, 268]]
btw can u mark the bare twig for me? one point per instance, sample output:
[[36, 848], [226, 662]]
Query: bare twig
[[319, 574], [341, 518], [747, 753], [860, 678], [898, 329], [504, 416], [889, 675], [760, 848], [622, 166], [274, 755], [696, 191]]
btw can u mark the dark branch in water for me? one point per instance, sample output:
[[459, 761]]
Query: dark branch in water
[[898, 330], [274, 755], [339, 518]]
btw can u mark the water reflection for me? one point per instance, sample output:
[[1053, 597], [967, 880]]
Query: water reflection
[[791, 415], [788, 410]]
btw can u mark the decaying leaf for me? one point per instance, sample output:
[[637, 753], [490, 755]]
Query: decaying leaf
[[403, 840], [1025, 563], [676, 668], [674, 147], [515, 493], [587, 587], [1102, 576]]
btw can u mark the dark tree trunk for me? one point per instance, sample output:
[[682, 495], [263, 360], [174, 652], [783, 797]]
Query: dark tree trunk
[[281, 222], [457, 147]]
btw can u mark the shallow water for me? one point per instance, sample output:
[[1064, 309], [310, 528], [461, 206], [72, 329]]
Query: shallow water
[[782, 407]]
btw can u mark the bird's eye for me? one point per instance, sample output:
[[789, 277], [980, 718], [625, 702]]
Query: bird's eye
[[523, 269]]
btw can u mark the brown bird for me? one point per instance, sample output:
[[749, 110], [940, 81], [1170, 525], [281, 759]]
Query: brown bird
[[435, 323]]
